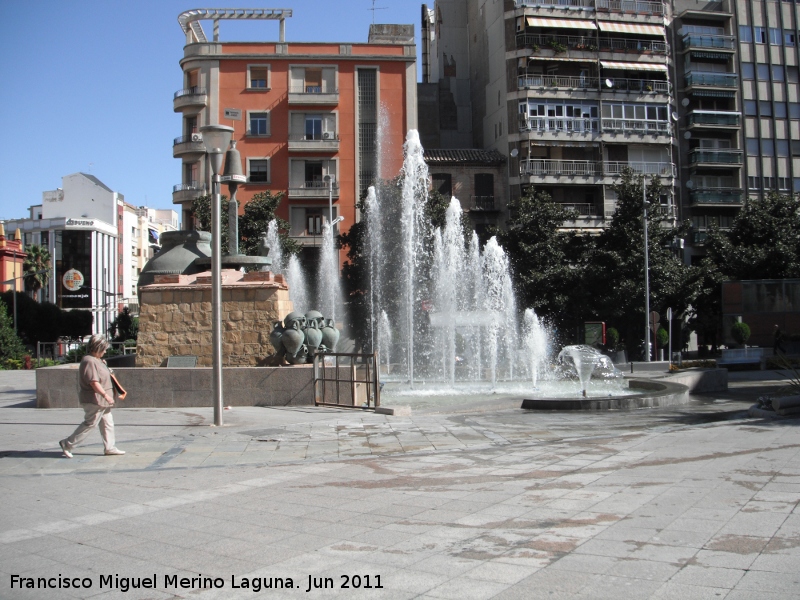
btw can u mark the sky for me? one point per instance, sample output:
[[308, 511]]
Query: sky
[[87, 85]]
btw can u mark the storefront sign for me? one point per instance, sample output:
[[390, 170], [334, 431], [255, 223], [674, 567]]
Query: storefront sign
[[73, 280]]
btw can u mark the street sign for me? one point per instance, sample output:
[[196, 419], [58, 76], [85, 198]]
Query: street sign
[[234, 114], [669, 314]]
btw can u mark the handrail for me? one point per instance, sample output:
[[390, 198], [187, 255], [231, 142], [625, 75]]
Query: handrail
[[654, 8], [302, 137], [557, 3], [636, 125], [698, 40], [643, 86], [571, 124], [728, 157], [189, 187], [184, 139], [312, 89], [712, 79], [192, 91], [532, 81], [632, 44]]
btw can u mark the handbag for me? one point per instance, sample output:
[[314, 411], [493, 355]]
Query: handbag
[[120, 391]]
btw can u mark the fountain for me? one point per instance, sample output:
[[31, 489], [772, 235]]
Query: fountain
[[587, 362]]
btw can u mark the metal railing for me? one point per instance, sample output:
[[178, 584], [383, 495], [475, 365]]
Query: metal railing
[[483, 203], [556, 81], [641, 86], [339, 376], [312, 89], [192, 186], [316, 137], [696, 40], [583, 209], [60, 351], [564, 3], [568, 124], [712, 79], [632, 45], [652, 8], [662, 169], [718, 196], [547, 42], [186, 139], [725, 157], [192, 91], [699, 118], [554, 168], [636, 126]]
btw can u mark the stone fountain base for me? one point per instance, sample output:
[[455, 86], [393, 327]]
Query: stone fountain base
[[652, 394]]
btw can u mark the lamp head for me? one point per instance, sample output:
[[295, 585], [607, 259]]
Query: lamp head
[[216, 137]]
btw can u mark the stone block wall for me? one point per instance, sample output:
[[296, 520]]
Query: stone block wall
[[175, 318]]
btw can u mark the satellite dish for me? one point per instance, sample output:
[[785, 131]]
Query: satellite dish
[[687, 135], [674, 116], [514, 153], [685, 102], [609, 83], [690, 184]]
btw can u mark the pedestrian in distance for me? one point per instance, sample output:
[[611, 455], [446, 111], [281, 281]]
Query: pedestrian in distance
[[778, 337], [96, 395]]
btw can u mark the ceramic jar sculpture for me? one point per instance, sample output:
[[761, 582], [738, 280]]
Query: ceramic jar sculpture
[[300, 336]]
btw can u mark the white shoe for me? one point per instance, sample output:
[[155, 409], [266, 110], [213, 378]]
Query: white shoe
[[115, 452], [65, 448]]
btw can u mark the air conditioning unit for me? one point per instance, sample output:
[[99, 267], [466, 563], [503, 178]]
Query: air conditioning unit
[[197, 137], [327, 136]]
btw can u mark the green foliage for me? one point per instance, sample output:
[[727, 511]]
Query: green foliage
[[46, 322], [36, 268], [740, 332], [11, 347], [662, 337], [253, 223], [612, 338], [124, 327]]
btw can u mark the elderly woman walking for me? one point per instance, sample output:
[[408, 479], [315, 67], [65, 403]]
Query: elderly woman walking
[[96, 394]]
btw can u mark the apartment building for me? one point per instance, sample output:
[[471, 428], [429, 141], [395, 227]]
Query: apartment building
[[309, 118]]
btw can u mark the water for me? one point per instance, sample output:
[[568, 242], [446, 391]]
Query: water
[[298, 288], [275, 249], [329, 291]]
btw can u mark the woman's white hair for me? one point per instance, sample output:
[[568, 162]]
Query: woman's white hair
[[97, 343]]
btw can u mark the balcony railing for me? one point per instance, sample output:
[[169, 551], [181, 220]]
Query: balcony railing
[[555, 168], [583, 210], [316, 137], [192, 186], [483, 203], [187, 139], [661, 169], [696, 40], [632, 45], [651, 8], [556, 81], [638, 86], [558, 3], [699, 78], [313, 89], [546, 42], [716, 196], [636, 126], [725, 157], [192, 91], [568, 124], [714, 118]]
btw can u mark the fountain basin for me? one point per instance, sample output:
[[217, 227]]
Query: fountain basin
[[646, 393]]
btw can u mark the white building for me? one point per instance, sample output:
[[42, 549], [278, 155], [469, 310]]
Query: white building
[[95, 254]]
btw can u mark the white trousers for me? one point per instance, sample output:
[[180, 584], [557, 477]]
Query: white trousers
[[94, 416]]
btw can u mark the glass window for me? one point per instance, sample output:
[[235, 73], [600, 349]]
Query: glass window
[[769, 183], [748, 70], [780, 110], [442, 183], [794, 110], [745, 33], [258, 77], [765, 106], [259, 123], [792, 74], [783, 184], [760, 35], [763, 72], [313, 127], [782, 147], [767, 148], [777, 73], [259, 170], [775, 37], [751, 144], [788, 38], [796, 184], [753, 183], [750, 108]]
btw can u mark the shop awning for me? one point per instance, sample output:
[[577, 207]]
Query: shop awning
[[631, 28], [563, 23], [631, 66]]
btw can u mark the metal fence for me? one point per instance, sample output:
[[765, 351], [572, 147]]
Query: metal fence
[[341, 380]]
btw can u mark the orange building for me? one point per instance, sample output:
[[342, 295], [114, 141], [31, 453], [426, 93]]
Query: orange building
[[316, 121], [11, 258]]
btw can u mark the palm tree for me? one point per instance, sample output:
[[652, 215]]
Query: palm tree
[[36, 268]]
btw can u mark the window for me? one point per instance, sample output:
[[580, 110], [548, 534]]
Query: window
[[769, 183], [750, 108], [792, 74], [777, 73], [794, 110], [313, 81], [763, 72], [765, 106], [313, 127], [258, 170], [753, 183], [788, 39], [748, 71], [795, 147], [760, 35], [780, 110], [484, 191], [314, 221], [783, 184], [775, 37], [259, 124], [443, 183], [796, 184], [745, 33], [313, 174], [767, 148], [751, 144], [258, 76]]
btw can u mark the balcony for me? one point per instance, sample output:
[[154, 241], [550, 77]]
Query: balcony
[[698, 41], [715, 157], [713, 118], [662, 169], [637, 86], [188, 192], [584, 210], [188, 145], [313, 94], [628, 45], [716, 197], [556, 44], [559, 168], [324, 142], [483, 204], [639, 126], [555, 82], [194, 98], [630, 6], [559, 124], [719, 80], [550, 4], [312, 189]]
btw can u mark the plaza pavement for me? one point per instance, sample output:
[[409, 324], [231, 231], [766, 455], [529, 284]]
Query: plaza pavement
[[478, 501]]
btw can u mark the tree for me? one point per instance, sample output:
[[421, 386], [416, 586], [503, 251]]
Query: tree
[[10, 344], [36, 268], [124, 327], [253, 223]]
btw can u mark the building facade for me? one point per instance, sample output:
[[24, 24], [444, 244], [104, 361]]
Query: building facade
[[12, 257], [318, 122]]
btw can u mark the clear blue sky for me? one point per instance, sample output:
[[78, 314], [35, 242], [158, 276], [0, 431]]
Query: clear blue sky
[[87, 85]]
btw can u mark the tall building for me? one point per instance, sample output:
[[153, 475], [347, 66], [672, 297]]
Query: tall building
[[307, 116], [12, 257]]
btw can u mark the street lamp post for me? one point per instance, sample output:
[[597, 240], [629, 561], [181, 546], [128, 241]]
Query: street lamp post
[[646, 276], [216, 139]]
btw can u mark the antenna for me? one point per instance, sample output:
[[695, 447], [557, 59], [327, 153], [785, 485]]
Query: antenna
[[374, 8]]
